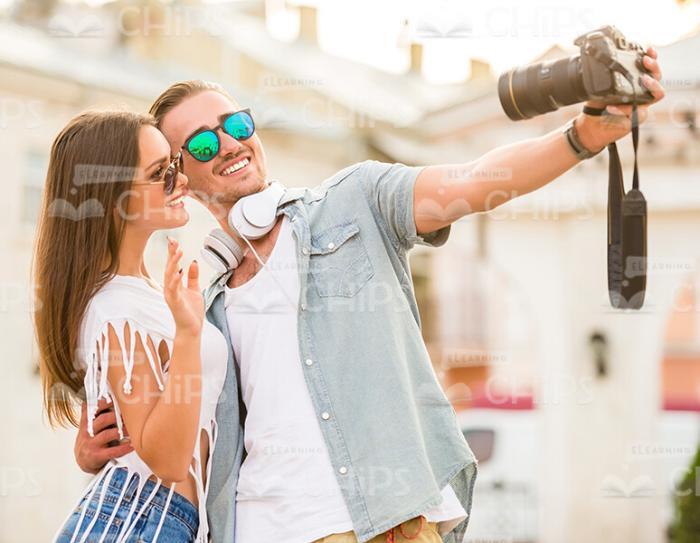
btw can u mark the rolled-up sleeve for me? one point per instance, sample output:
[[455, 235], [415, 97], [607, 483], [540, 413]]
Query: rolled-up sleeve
[[389, 190]]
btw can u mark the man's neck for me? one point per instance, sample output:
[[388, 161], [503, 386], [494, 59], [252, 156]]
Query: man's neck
[[260, 243], [263, 247]]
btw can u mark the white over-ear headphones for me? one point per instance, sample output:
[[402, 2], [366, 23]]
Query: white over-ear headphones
[[251, 217]]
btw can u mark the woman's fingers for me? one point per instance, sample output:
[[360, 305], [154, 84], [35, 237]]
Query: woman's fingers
[[169, 265], [176, 277], [172, 268], [193, 276]]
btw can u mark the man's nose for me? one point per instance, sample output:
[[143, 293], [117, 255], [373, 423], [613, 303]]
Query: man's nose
[[229, 144]]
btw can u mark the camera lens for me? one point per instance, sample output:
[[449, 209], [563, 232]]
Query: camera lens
[[539, 88]]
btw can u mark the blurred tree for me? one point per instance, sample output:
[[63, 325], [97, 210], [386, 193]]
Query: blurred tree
[[686, 526]]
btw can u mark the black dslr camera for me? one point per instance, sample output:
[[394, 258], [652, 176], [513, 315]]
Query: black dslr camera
[[608, 69]]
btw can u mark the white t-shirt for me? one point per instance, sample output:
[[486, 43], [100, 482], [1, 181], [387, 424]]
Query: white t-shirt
[[287, 486], [131, 306]]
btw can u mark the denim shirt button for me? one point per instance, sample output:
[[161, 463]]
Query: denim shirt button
[[325, 415], [305, 250], [343, 470], [303, 307], [331, 245], [308, 361]]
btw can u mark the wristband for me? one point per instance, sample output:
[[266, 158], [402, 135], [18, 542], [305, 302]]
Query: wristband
[[575, 143], [594, 111]]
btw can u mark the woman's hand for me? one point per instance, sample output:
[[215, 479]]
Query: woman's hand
[[162, 419], [185, 301], [597, 132]]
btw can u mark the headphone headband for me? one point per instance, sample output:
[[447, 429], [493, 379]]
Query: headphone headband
[[251, 217]]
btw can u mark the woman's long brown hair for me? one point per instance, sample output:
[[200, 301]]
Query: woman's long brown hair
[[92, 164]]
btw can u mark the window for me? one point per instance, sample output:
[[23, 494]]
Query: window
[[35, 165]]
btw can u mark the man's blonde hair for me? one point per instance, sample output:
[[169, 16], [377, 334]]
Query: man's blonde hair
[[177, 92]]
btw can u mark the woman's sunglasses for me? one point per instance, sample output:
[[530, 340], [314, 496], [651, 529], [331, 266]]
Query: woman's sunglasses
[[169, 178], [205, 144]]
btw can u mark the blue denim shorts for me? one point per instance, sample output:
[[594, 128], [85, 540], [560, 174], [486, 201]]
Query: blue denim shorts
[[179, 526]]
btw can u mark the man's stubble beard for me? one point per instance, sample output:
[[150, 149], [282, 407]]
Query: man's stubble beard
[[220, 203]]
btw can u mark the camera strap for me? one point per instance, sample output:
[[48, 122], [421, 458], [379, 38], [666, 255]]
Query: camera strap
[[627, 225], [627, 217]]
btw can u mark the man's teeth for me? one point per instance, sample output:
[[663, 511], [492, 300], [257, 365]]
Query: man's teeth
[[175, 202], [237, 166]]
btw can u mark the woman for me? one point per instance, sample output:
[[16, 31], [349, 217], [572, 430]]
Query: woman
[[107, 330]]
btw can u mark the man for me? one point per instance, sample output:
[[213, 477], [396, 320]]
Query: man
[[347, 430]]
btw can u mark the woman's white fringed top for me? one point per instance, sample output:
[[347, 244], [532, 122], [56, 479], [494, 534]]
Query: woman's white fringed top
[[132, 306]]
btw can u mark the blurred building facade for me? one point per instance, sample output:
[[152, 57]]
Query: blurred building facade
[[509, 306], [49, 72]]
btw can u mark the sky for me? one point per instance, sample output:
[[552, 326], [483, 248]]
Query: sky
[[505, 33]]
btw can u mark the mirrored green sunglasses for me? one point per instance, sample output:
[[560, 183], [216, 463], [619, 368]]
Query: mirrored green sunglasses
[[204, 144]]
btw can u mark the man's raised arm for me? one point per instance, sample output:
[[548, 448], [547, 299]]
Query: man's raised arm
[[445, 193]]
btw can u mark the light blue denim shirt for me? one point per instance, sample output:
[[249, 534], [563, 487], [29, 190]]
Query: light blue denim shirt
[[392, 435]]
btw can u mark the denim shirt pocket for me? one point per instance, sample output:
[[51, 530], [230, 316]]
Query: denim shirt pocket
[[339, 263]]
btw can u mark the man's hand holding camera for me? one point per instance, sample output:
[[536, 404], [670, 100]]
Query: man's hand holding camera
[[596, 132]]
